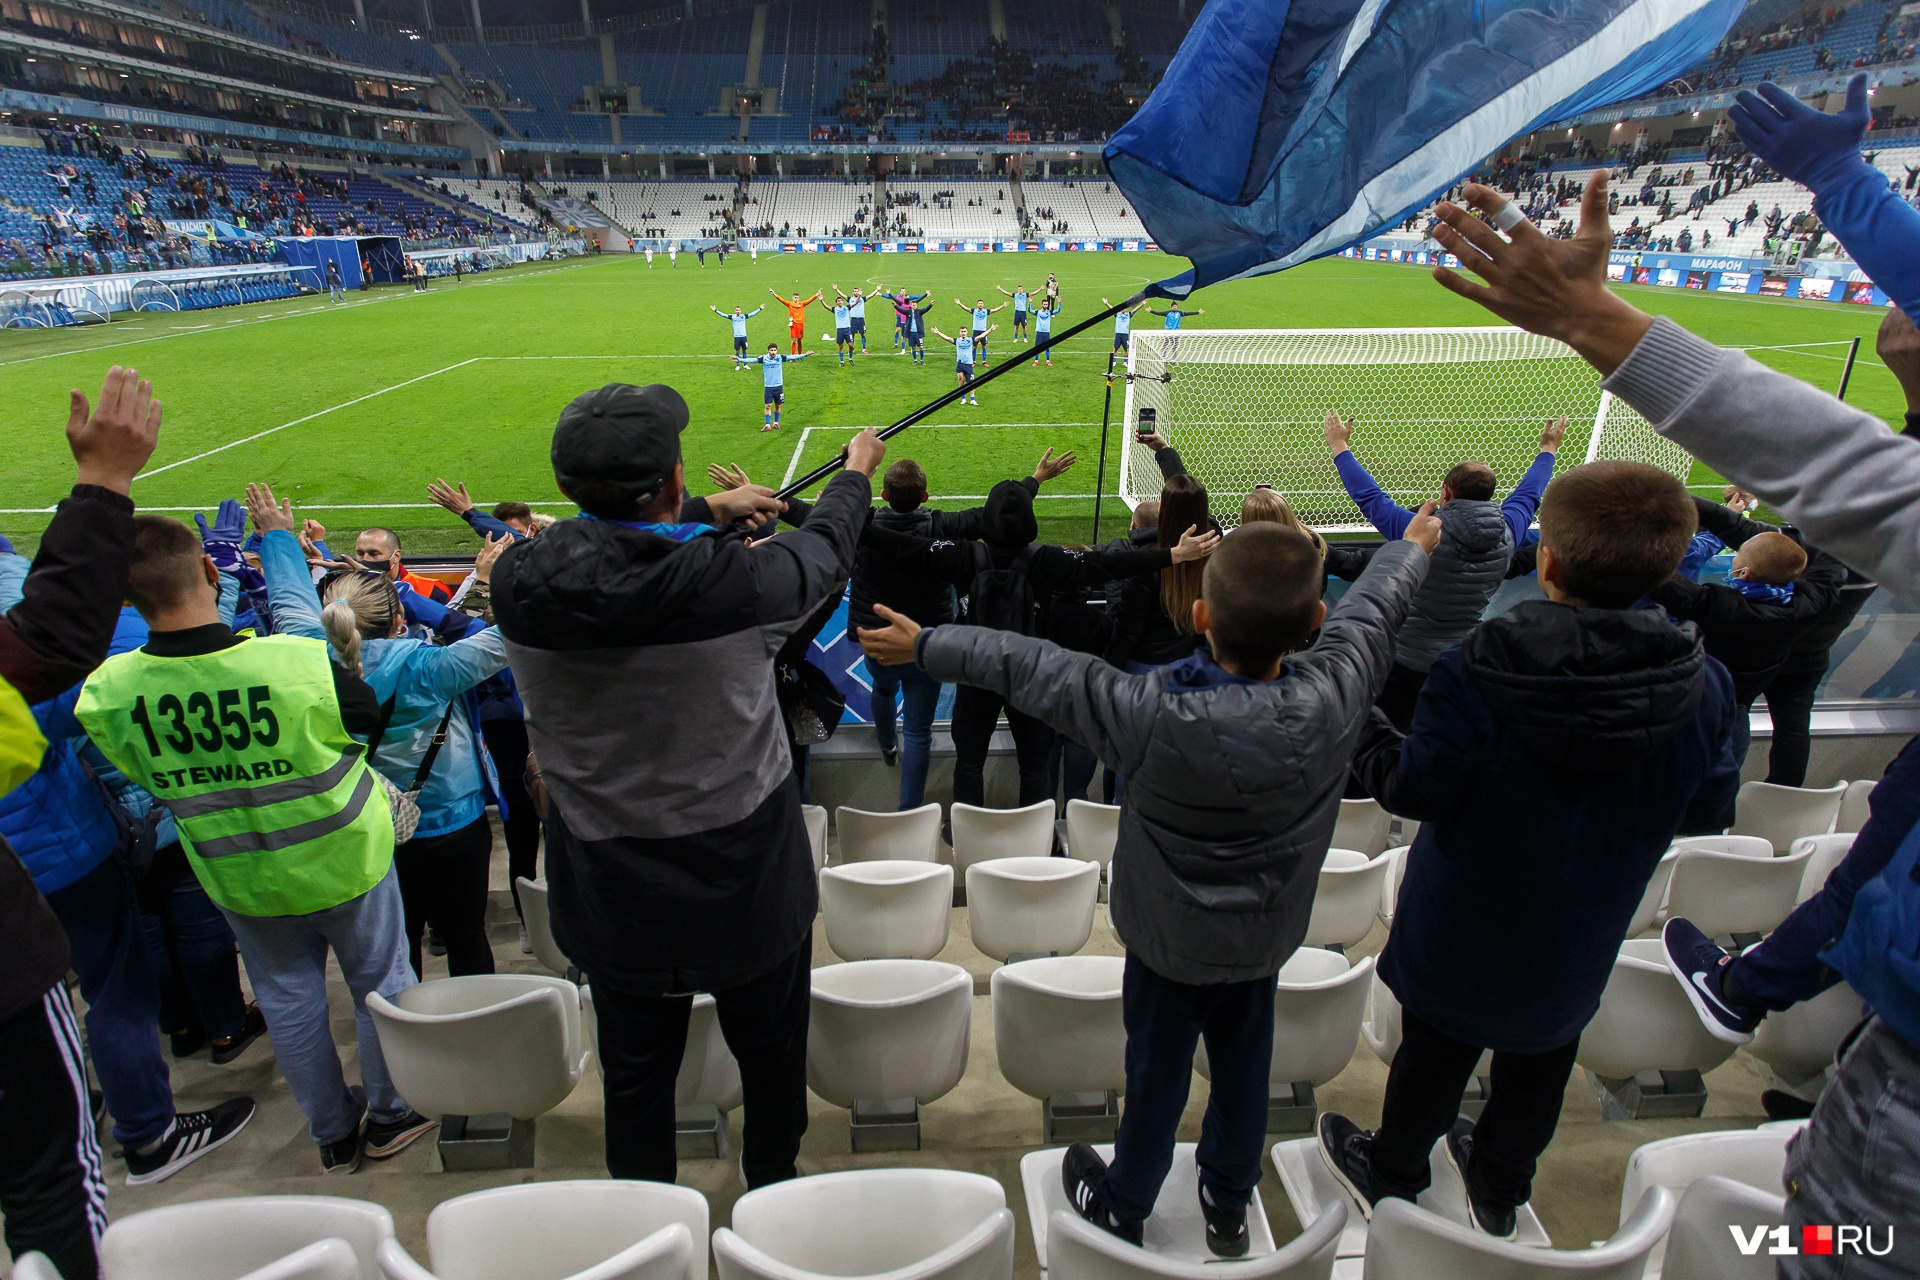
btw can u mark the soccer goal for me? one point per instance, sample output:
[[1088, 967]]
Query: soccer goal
[[1245, 407]]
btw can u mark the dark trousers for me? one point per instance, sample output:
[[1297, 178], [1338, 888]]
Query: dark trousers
[[122, 991], [1400, 694], [1164, 1020], [443, 882], [1790, 707], [1429, 1074], [975, 712], [1070, 767], [51, 1190], [644, 1036], [194, 951], [506, 741]]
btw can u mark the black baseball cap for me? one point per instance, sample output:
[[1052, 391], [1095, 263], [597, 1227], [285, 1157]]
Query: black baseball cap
[[622, 435]]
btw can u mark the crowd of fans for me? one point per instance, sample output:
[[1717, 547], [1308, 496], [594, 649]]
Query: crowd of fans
[[304, 742]]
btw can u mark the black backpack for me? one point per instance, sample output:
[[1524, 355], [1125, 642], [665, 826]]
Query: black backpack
[[1003, 599]]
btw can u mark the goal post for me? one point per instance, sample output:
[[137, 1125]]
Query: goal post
[[1245, 406]]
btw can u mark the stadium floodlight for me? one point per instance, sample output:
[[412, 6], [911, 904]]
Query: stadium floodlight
[[1245, 407]]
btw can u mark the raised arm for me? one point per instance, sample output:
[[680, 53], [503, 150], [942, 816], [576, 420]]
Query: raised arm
[[1381, 511], [1521, 505]]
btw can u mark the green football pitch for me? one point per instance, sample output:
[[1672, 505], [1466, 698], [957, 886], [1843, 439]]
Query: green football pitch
[[351, 410]]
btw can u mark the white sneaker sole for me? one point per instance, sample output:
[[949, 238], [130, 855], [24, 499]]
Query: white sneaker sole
[[166, 1171], [1698, 999], [1340, 1176]]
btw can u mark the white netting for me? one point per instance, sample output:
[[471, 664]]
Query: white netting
[[1244, 407]]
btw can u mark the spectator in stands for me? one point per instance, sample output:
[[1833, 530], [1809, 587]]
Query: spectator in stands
[[1471, 562], [663, 883], [1604, 730], [1153, 616], [1845, 481], [508, 519], [378, 549], [1211, 748]]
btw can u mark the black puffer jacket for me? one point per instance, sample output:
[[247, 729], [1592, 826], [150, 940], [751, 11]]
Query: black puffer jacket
[[879, 579], [1553, 757]]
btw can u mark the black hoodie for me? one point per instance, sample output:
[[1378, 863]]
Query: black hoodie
[[1554, 755]]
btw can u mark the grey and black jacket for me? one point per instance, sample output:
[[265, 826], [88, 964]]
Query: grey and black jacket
[[677, 858], [1468, 567], [1232, 789]]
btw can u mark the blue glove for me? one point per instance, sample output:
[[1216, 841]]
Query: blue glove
[[1816, 149], [223, 540]]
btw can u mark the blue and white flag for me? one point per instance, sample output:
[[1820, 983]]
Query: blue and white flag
[[1286, 130]]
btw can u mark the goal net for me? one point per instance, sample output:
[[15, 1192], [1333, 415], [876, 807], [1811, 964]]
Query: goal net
[[1245, 407]]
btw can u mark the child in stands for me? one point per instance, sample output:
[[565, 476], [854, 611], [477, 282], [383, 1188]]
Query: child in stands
[[1235, 759], [1553, 757]]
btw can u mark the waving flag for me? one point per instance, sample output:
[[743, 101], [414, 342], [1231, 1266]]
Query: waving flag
[[1286, 130]]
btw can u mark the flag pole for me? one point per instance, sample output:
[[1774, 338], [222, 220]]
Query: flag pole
[[1100, 480], [928, 410]]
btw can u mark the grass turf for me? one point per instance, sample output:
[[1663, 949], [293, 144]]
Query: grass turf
[[351, 410]]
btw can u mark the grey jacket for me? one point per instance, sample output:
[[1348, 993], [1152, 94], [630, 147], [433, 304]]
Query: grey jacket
[[1468, 567], [1232, 788], [1849, 483]]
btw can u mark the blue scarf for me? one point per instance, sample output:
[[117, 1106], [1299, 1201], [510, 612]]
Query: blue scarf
[[1763, 591], [672, 532]]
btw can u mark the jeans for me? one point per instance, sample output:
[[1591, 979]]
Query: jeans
[[922, 699], [1424, 1085], [443, 882], [1858, 1161], [287, 963], [1785, 967], [194, 950], [1790, 706], [506, 740], [975, 712], [122, 990], [52, 1193], [642, 1039], [1164, 1020]]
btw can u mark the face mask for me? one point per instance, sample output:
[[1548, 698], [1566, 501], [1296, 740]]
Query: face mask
[[378, 566]]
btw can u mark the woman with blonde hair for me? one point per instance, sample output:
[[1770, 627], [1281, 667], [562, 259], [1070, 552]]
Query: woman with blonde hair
[[1266, 503], [429, 737]]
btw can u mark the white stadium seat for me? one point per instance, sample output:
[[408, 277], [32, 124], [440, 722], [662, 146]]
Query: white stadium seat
[[887, 910], [904, 1224], [1057, 1028], [37, 1266], [1348, 898], [1654, 900], [596, 1229], [1854, 810], [229, 1239], [1645, 1023], [1390, 887], [1362, 827], [1827, 852], [1732, 893], [1318, 1006], [1078, 1250], [534, 913], [980, 835], [912, 835], [1799, 1043], [1031, 906], [888, 1032], [1781, 815], [708, 1072], [1699, 1244], [1406, 1242], [1092, 830], [1754, 1158], [816, 819]]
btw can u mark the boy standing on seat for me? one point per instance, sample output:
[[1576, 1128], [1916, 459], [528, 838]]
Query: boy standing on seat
[[1553, 756], [1235, 760]]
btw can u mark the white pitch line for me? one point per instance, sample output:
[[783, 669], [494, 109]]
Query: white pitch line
[[297, 421], [799, 447]]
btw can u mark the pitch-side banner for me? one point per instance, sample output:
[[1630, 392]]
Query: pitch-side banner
[[1285, 131]]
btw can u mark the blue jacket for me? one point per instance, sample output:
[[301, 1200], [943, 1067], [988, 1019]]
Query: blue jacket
[[422, 678], [1553, 757]]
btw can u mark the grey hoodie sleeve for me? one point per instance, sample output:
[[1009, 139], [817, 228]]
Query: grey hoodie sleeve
[[1849, 483], [1097, 705]]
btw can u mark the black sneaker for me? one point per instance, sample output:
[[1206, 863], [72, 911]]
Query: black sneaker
[[1781, 1105], [185, 1044], [891, 755], [1347, 1151], [390, 1137], [342, 1156], [1081, 1173], [1489, 1219], [252, 1029], [435, 947], [194, 1133], [1701, 966], [1226, 1228]]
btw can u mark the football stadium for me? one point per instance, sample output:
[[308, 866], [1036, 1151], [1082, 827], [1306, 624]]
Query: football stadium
[[944, 639]]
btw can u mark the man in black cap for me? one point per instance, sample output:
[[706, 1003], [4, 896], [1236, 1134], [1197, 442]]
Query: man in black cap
[[642, 638]]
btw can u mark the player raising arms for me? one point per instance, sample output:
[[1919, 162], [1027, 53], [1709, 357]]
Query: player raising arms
[[1174, 316], [917, 332], [963, 358], [980, 327], [773, 370], [1043, 329], [856, 317], [739, 320], [1122, 325], [796, 318], [902, 312], [842, 326], [1021, 295]]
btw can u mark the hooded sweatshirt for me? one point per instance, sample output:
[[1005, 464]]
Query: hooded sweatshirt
[[1553, 757]]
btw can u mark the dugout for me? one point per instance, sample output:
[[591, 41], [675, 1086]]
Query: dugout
[[361, 259]]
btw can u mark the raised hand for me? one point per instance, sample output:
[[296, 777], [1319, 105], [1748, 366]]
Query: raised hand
[[454, 500], [483, 562], [727, 475], [1424, 532], [892, 644], [1338, 431], [1049, 466], [865, 452], [1814, 148], [268, 515], [1555, 432], [1739, 499], [113, 440], [1195, 544]]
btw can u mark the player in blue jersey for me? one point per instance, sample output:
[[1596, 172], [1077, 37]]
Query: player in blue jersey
[[1043, 329], [964, 356], [1174, 316], [856, 316], [739, 320], [1122, 325], [916, 332], [842, 327], [773, 370], [980, 311], [1022, 300]]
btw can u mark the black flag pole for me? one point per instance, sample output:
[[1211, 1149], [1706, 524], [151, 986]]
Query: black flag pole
[[928, 410], [1100, 479]]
